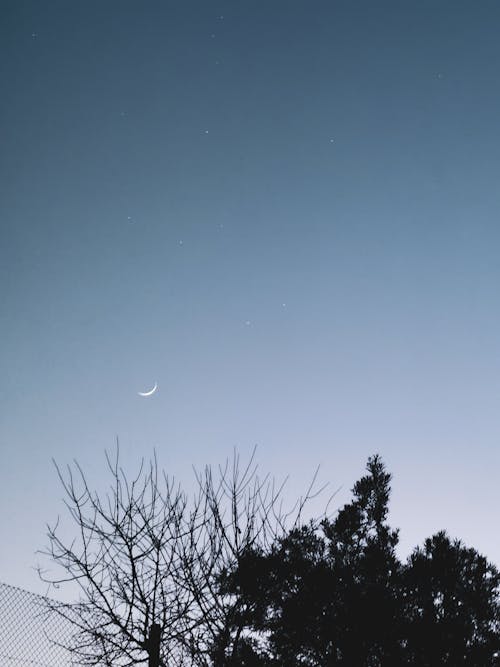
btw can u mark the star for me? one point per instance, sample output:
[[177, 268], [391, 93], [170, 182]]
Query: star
[[34, 35]]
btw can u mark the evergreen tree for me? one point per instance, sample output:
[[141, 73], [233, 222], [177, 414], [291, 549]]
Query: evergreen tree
[[328, 594], [366, 600], [451, 605]]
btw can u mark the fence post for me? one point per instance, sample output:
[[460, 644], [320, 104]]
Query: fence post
[[154, 646]]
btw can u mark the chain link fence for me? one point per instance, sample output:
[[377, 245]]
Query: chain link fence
[[29, 633]]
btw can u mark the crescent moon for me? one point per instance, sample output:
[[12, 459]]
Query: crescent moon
[[150, 392]]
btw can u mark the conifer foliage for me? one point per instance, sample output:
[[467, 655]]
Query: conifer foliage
[[335, 593]]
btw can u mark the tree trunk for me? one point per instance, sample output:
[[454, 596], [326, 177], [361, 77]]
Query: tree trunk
[[154, 646]]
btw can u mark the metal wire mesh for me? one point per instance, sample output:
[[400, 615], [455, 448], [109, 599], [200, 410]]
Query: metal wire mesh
[[29, 633]]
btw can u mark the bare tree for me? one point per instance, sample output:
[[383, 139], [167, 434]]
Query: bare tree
[[148, 561]]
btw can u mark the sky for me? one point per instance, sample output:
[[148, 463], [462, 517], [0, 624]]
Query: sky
[[283, 213]]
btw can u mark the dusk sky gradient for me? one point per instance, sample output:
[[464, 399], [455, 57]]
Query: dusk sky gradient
[[285, 213]]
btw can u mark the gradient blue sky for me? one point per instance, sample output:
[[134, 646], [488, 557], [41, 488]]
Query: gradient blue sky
[[286, 214]]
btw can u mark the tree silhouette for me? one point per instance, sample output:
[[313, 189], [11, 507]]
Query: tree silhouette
[[362, 556], [327, 593], [221, 581], [451, 605]]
